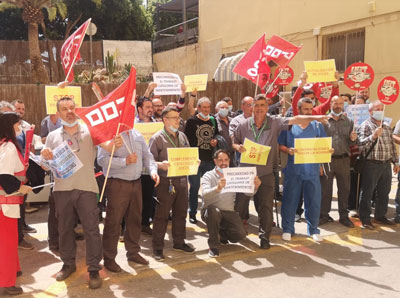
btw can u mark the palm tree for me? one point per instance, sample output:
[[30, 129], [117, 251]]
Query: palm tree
[[32, 14]]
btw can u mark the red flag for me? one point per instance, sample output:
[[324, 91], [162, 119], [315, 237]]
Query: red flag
[[280, 51], [70, 50], [117, 107], [28, 143], [247, 67]]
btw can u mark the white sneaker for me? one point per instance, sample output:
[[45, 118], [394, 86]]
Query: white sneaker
[[286, 236], [316, 237]]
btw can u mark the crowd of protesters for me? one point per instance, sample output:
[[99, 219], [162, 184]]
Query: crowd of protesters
[[141, 198]]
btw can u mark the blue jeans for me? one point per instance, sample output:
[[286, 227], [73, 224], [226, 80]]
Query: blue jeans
[[293, 186], [194, 181], [397, 199], [379, 175]]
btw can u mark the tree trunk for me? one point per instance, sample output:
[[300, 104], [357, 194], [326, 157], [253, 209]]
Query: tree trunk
[[38, 71]]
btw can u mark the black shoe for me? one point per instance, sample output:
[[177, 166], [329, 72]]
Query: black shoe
[[28, 229], [346, 222], [323, 221], [111, 265], [158, 255], [19, 273], [192, 219], [384, 221], [94, 280], [65, 271], [223, 241], [184, 248], [79, 236], [330, 219], [264, 244], [147, 230], [137, 258], [213, 253], [13, 290], [368, 225], [397, 219]]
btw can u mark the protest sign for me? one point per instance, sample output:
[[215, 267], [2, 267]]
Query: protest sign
[[65, 163], [53, 94], [388, 90], [239, 179], [320, 71], [286, 76], [255, 154], [358, 76], [357, 113], [323, 91], [167, 83], [183, 161], [196, 82], [312, 150], [148, 129]]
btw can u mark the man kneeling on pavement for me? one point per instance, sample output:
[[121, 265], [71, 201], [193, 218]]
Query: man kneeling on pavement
[[223, 222]]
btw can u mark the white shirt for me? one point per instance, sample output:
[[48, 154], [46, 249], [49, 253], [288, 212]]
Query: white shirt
[[10, 164]]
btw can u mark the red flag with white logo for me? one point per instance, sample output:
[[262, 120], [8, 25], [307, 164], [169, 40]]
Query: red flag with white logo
[[280, 50], [117, 107], [247, 67], [70, 50]]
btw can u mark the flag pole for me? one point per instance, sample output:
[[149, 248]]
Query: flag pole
[[272, 84], [255, 92], [76, 54], [109, 166]]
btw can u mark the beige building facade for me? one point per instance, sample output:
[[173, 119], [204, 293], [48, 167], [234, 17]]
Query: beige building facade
[[347, 30]]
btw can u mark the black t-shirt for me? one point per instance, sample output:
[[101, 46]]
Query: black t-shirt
[[199, 134]]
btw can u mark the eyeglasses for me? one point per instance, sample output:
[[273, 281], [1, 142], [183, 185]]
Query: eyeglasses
[[173, 118]]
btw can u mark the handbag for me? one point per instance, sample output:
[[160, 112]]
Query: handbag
[[360, 161]]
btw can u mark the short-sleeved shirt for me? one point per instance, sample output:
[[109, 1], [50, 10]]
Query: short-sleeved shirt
[[268, 137], [161, 141], [10, 164], [286, 138], [82, 145]]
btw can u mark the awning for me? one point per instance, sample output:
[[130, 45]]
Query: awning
[[224, 70], [177, 6]]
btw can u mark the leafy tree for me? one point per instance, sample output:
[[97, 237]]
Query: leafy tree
[[32, 14]]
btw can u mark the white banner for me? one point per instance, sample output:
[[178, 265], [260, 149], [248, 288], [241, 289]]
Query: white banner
[[239, 179], [167, 83]]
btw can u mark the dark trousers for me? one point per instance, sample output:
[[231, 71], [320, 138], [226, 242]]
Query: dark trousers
[[339, 168], [397, 199], [178, 203], [263, 201], [379, 175], [124, 201], [194, 181], [68, 205], [148, 202], [52, 222], [222, 223], [355, 186]]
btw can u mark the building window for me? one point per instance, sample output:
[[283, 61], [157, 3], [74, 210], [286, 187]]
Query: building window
[[346, 48]]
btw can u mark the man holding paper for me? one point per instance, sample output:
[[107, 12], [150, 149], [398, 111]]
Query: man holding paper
[[223, 222], [77, 194], [301, 177], [172, 192], [264, 129]]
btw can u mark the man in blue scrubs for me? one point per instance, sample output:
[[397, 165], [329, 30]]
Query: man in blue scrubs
[[301, 177]]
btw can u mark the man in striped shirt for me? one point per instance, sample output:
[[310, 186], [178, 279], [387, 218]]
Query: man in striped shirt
[[376, 170]]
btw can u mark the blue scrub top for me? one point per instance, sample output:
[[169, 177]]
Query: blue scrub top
[[286, 138]]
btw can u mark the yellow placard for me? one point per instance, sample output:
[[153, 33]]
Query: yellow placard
[[312, 150], [320, 71], [183, 161], [53, 94], [149, 129], [196, 82], [255, 154]]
